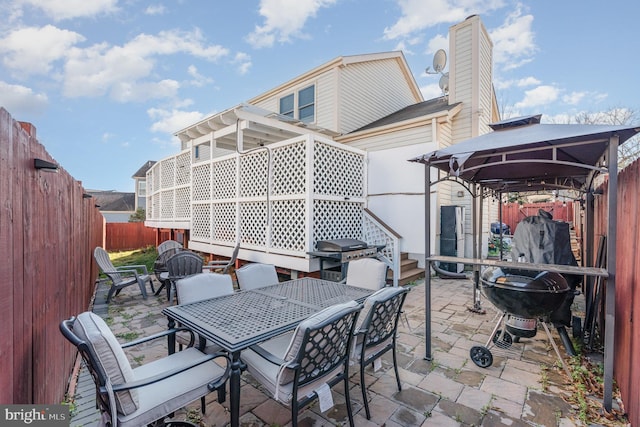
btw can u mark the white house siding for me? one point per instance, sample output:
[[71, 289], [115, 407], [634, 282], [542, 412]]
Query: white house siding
[[371, 90], [461, 78], [402, 138], [327, 100], [396, 192]]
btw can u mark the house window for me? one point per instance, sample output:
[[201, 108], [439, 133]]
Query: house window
[[306, 104], [142, 188], [286, 106], [302, 106]]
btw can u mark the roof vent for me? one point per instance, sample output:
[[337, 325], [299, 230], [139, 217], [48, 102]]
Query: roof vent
[[516, 122]]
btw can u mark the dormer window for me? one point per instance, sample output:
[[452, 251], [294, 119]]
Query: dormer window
[[300, 105]]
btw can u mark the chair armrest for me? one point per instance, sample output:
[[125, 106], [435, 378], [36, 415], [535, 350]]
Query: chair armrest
[[135, 267], [150, 380], [272, 358], [160, 335]]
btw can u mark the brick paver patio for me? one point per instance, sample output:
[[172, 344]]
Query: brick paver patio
[[524, 386]]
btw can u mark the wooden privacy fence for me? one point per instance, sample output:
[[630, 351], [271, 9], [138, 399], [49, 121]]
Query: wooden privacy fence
[[627, 326], [121, 236], [47, 234], [513, 213]]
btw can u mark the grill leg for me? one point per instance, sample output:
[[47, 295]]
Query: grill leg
[[555, 347], [495, 329]]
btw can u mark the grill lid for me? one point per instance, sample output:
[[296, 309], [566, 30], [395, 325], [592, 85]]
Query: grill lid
[[340, 245]]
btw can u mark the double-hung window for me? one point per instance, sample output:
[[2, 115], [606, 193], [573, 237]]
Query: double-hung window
[[300, 105]]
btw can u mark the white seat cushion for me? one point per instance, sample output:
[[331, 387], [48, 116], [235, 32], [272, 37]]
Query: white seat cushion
[[90, 328], [163, 397]]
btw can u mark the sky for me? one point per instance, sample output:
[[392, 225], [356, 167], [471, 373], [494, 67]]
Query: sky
[[107, 83]]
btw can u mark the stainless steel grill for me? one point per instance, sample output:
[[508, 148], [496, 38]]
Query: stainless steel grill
[[338, 253]]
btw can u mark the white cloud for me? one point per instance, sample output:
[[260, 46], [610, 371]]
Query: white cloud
[[33, 50], [523, 82], [431, 91], [121, 71], [436, 43], [198, 79], [143, 91], [157, 9], [513, 42], [541, 95], [171, 121], [418, 15], [243, 61], [574, 98], [19, 100], [67, 9], [284, 19]]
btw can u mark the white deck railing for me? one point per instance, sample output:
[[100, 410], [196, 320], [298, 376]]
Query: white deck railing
[[278, 199]]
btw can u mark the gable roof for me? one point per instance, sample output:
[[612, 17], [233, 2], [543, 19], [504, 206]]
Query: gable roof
[[414, 111], [343, 61], [114, 201], [142, 172]]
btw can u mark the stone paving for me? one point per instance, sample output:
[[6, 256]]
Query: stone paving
[[524, 386]]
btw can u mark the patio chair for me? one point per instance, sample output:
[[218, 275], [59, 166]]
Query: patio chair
[[222, 266], [122, 276], [180, 265], [294, 367], [256, 275], [168, 245], [165, 250], [375, 332], [367, 273], [197, 288], [138, 396]]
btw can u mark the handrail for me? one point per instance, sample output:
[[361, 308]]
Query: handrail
[[376, 232]]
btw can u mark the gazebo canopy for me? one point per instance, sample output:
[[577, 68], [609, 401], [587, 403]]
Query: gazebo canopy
[[524, 155]]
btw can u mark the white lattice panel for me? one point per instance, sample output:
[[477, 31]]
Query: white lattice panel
[[289, 169], [156, 177], [288, 225], [201, 183], [224, 178], [253, 223], [168, 170], [167, 204], [254, 172], [183, 203], [224, 222], [375, 235], [183, 168], [149, 180], [337, 172], [201, 222], [336, 220]]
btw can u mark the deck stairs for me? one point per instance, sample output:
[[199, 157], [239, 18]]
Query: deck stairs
[[409, 270]]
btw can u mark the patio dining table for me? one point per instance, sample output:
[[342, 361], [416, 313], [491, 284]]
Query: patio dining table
[[239, 320]]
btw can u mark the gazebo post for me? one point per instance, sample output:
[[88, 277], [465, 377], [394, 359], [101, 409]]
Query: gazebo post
[[610, 301], [427, 263]]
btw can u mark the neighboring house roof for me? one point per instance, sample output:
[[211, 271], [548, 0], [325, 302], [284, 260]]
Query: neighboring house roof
[[114, 201], [420, 109], [142, 172]]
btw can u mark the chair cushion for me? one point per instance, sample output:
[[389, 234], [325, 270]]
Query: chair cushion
[[90, 328], [267, 373], [203, 286], [159, 399], [298, 335]]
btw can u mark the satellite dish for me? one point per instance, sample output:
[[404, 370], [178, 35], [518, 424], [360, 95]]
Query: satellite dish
[[444, 83], [439, 60]]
